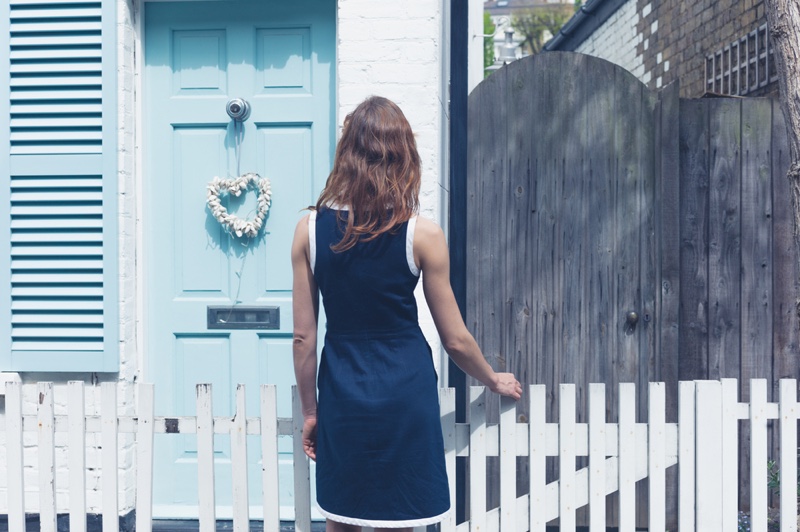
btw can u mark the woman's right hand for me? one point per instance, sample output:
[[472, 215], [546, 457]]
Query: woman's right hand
[[310, 437], [508, 385]]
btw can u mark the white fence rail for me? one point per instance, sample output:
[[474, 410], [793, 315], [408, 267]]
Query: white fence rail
[[704, 442]]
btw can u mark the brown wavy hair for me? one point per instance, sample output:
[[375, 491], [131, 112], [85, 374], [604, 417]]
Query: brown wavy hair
[[376, 172]]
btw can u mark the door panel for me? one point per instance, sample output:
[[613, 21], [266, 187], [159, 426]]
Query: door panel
[[279, 57]]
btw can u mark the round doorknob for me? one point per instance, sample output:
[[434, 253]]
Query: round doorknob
[[238, 109], [632, 318]]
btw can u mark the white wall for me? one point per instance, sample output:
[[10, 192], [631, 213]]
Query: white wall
[[394, 49], [617, 40]]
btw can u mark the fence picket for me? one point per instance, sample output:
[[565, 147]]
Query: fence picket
[[566, 452], [788, 454], [597, 457], [477, 458], [508, 464], [686, 456], [47, 458], [77, 456], [758, 455], [703, 442], [708, 445], [14, 457], [627, 457], [302, 471], [144, 459], [538, 457], [269, 457], [656, 470], [241, 497], [730, 454], [108, 415], [447, 409], [205, 458]]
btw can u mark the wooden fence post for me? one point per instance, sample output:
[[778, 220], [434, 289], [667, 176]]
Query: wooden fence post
[[759, 495], [14, 457], [656, 456], [76, 414], [241, 497], [538, 457], [627, 457], [686, 455], [46, 451], [597, 457], [447, 407], [144, 459], [205, 458], [566, 456], [708, 462], [269, 457], [302, 471], [787, 412], [108, 415], [477, 458]]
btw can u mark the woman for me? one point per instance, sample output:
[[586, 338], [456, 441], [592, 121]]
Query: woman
[[375, 430]]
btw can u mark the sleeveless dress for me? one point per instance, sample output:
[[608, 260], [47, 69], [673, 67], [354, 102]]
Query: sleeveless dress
[[380, 453]]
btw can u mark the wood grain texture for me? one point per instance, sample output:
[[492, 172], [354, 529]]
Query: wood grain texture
[[724, 236], [694, 240], [590, 197]]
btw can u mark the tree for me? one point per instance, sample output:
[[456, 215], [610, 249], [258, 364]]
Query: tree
[[538, 24], [783, 17], [489, 28]]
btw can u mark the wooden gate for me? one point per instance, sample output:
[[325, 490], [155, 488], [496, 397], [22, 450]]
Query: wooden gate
[[617, 234]]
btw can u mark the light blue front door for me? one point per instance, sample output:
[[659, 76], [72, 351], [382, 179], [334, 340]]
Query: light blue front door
[[279, 56]]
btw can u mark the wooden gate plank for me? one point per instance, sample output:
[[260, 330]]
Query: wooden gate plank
[[724, 236], [694, 240]]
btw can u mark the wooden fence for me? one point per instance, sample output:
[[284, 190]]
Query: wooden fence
[[651, 231], [704, 442]]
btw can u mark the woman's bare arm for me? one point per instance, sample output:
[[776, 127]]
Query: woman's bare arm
[[305, 305], [430, 250]]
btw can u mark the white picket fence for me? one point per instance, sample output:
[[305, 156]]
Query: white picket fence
[[704, 442]]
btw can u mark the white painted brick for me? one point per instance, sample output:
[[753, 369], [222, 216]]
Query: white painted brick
[[647, 9], [654, 27]]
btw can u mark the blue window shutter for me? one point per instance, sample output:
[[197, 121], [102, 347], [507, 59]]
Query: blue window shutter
[[58, 186]]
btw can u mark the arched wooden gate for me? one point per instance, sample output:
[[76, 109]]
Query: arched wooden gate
[[618, 234]]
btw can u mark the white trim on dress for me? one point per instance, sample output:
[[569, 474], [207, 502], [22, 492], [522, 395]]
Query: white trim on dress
[[377, 523], [412, 224], [312, 239]]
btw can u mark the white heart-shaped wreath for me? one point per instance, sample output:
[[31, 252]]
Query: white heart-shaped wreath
[[234, 224]]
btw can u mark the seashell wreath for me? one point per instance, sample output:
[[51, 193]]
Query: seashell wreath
[[234, 224]]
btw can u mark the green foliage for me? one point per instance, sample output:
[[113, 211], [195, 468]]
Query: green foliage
[[774, 478], [538, 24], [488, 42]]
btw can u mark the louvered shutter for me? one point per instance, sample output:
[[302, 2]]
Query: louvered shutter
[[58, 186]]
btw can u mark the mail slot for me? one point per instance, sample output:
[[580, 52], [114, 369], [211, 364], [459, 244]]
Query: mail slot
[[244, 317]]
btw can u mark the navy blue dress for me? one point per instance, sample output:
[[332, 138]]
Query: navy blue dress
[[380, 454]]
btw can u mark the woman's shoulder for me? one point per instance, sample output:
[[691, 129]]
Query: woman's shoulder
[[427, 228]]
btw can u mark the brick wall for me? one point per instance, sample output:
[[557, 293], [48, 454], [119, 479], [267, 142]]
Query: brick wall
[[673, 39]]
